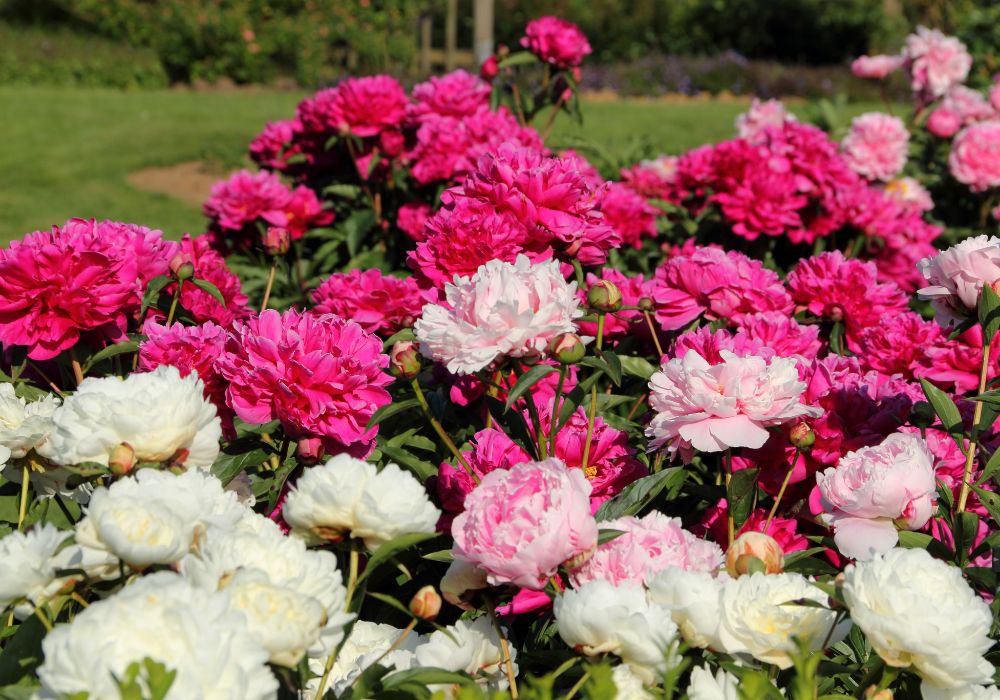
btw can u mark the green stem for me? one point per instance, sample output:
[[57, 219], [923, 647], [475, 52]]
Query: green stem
[[439, 429], [554, 426], [727, 463], [970, 455], [781, 491], [592, 415], [576, 686], [352, 574], [22, 510], [508, 663], [173, 302], [270, 283]]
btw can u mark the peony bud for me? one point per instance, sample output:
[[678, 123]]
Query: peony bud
[[944, 123], [873, 692], [802, 436], [488, 71], [404, 359], [309, 451], [122, 459], [182, 267], [426, 604], [276, 240], [646, 305], [754, 545], [605, 296], [567, 348]]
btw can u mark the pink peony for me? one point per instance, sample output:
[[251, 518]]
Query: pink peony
[[751, 124], [957, 276], [873, 490], [717, 284], [321, 376], [843, 289], [299, 213], [364, 107], [412, 218], [268, 149], [935, 62], [211, 267], [521, 525], [896, 345], [875, 147], [556, 41], [650, 545], [875, 67], [653, 179], [944, 123], [244, 198], [786, 336], [710, 344], [190, 349], [783, 530], [456, 94], [60, 286], [970, 105], [629, 214], [715, 407], [955, 363], [975, 156], [504, 310], [379, 303]]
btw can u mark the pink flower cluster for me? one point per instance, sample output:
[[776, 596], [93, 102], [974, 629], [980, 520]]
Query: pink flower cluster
[[875, 147], [556, 41], [935, 62], [876, 67], [379, 303]]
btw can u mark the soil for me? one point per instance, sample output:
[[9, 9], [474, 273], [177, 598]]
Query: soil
[[190, 182]]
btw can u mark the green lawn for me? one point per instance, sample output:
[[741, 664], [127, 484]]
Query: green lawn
[[68, 151]]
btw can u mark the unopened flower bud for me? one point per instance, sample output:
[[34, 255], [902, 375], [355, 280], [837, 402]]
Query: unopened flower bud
[[605, 296], [426, 604], [404, 359], [873, 692], [488, 71], [802, 436], [309, 451], [645, 304], [182, 267], [754, 545], [122, 459], [567, 348], [276, 240], [922, 415]]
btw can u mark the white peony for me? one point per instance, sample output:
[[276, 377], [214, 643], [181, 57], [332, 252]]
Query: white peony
[[600, 618], [469, 647], [365, 645], [156, 517], [162, 617], [965, 692], [704, 686], [694, 599], [160, 415], [24, 425], [758, 620], [28, 568], [918, 611], [393, 503], [462, 579], [257, 543], [505, 309], [628, 686]]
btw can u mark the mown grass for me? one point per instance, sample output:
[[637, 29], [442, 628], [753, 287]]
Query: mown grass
[[68, 151]]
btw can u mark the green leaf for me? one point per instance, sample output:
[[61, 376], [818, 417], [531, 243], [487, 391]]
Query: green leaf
[[366, 685], [605, 535], [640, 493], [357, 226], [237, 456], [988, 310], [637, 366], [991, 468], [405, 334], [614, 365], [153, 289], [947, 411], [422, 469], [965, 531], [518, 58], [208, 288], [526, 381], [990, 501], [111, 351], [921, 540], [444, 555], [742, 495], [393, 547], [425, 677], [340, 189], [390, 410], [22, 652]]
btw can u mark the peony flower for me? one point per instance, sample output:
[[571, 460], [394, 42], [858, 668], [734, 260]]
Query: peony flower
[[208, 645], [974, 156], [759, 618], [368, 642], [750, 125], [944, 123], [773, 329], [875, 67], [970, 105], [379, 303], [156, 517], [957, 276], [556, 41], [244, 198], [649, 545], [321, 376], [28, 568], [694, 600], [874, 489], [731, 404], [24, 425], [268, 148], [456, 94], [704, 686], [629, 214], [628, 686], [301, 211], [935, 62], [897, 345], [521, 525], [600, 618], [468, 647], [392, 503], [362, 107], [918, 612], [210, 266], [717, 284], [503, 310], [411, 219], [909, 191], [876, 145]]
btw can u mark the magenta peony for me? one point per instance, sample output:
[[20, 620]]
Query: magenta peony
[[521, 525], [504, 310], [935, 62], [731, 404], [873, 490], [875, 147], [876, 67], [377, 302], [244, 198], [456, 94], [629, 214], [896, 345], [362, 107], [269, 147], [975, 156], [211, 267], [321, 376], [957, 276], [556, 41], [412, 218]]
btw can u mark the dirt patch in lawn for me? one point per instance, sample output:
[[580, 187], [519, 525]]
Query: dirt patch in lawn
[[190, 182]]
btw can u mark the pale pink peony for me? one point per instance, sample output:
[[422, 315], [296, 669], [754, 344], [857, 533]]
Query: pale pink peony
[[379, 303], [944, 123], [875, 147], [717, 284], [751, 124], [970, 105], [211, 267], [556, 41], [975, 156], [875, 67], [321, 376], [710, 344], [650, 545], [873, 490], [731, 404], [455, 94], [504, 310], [957, 276], [521, 525], [935, 62]]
